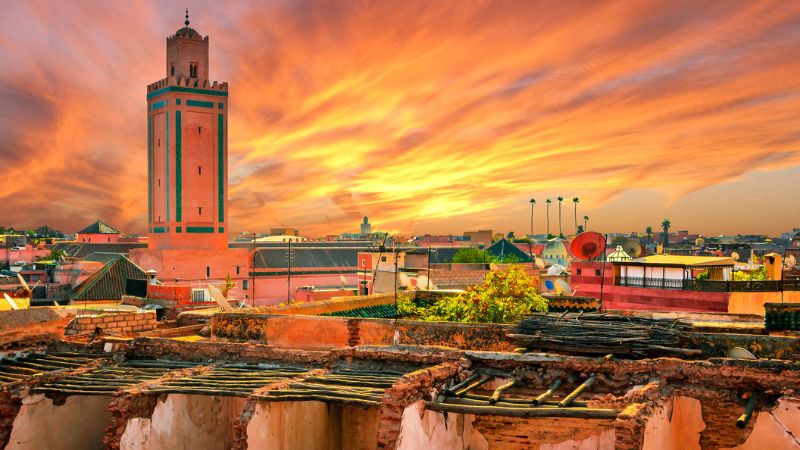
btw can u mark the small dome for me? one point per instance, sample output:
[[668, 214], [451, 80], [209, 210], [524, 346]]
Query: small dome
[[188, 33]]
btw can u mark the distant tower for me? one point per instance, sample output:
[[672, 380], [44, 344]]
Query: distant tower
[[187, 131], [366, 228], [187, 168]]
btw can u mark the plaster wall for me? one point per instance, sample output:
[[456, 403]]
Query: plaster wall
[[272, 289], [420, 429], [753, 302], [675, 426], [78, 424], [311, 425], [185, 422], [775, 429]]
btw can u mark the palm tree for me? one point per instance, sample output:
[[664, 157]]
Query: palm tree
[[649, 232], [665, 225], [548, 218], [533, 203], [575, 201], [560, 233], [585, 223]]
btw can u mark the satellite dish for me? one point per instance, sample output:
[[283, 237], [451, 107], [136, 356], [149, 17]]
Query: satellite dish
[[735, 256], [633, 248], [549, 285], [588, 245], [790, 261], [740, 353]]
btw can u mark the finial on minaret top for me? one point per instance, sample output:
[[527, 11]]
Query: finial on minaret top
[[187, 18]]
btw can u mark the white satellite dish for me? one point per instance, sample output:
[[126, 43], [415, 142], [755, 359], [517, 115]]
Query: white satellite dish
[[735, 256], [790, 261], [740, 353]]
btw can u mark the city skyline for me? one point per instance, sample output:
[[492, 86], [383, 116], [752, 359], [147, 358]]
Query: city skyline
[[340, 110]]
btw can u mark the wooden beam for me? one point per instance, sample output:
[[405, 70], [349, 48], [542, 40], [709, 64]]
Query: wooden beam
[[578, 391], [452, 390], [548, 393], [484, 379], [497, 392], [582, 413]]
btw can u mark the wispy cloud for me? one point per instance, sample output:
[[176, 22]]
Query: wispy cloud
[[409, 112]]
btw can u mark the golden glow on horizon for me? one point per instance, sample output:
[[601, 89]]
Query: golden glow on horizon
[[425, 116]]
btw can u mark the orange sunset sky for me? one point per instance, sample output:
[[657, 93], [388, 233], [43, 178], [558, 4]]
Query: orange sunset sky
[[427, 116]]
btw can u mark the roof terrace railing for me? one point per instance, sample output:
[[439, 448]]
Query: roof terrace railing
[[709, 285]]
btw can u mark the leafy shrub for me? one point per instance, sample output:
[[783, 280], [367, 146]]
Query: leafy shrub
[[505, 296], [473, 255], [743, 275]]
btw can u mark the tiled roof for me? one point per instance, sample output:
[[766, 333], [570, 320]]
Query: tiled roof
[[370, 312], [108, 283], [503, 248], [99, 228], [82, 250], [308, 257]]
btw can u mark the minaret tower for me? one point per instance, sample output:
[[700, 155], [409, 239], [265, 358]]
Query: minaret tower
[[187, 148]]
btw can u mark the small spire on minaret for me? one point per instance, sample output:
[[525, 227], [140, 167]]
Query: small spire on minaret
[[187, 18]]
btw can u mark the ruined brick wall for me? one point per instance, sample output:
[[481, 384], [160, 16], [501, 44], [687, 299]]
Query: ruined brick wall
[[32, 326], [157, 348], [10, 403], [117, 323], [325, 333], [124, 408], [514, 433], [407, 390]]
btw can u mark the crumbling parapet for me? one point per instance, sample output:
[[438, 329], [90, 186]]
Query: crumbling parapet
[[135, 402], [10, 404], [116, 323], [410, 388]]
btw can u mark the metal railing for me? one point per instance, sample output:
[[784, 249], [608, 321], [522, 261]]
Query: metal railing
[[710, 286]]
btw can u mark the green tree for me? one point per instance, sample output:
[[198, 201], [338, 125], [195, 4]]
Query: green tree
[[548, 201], [665, 226], [473, 255], [505, 296], [510, 259], [575, 201]]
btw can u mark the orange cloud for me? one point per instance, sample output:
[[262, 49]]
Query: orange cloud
[[428, 117]]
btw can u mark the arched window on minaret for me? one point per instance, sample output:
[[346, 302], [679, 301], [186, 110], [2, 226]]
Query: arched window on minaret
[[193, 70], [172, 70]]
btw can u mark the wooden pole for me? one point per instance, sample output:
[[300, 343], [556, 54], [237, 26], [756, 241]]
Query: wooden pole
[[578, 391], [748, 411], [484, 379], [549, 392], [460, 385], [582, 413], [496, 395]]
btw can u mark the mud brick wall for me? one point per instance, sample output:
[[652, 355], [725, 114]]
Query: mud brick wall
[[325, 333], [407, 390], [118, 323]]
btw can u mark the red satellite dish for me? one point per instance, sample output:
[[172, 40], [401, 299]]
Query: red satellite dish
[[588, 245]]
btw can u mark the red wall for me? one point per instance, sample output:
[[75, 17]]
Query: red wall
[[638, 298]]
